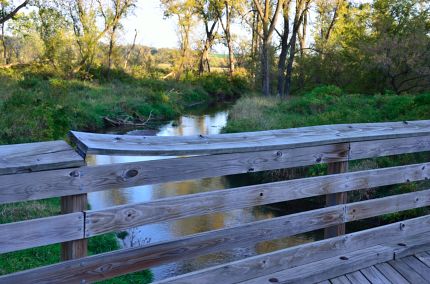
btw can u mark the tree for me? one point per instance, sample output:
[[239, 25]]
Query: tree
[[115, 10], [7, 11], [184, 11], [268, 17], [206, 11], [226, 11], [85, 17]]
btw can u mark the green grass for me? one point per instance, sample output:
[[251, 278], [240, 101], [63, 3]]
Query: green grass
[[37, 104], [325, 105]]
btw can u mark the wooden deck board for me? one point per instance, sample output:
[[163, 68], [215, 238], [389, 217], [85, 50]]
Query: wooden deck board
[[357, 278], [424, 257], [374, 275], [340, 280], [407, 272], [391, 274]]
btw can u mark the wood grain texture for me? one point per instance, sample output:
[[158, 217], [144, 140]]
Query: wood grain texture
[[388, 147], [256, 266], [132, 215], [418, 266], [76, 248], [250, 141], [33, 157], [407, 272], [95, 178], [357, 278], [396, 203], [341, 280], [327, 268], [374, 275], [391, 274], [336, 198], [42, 231], [424, 257]]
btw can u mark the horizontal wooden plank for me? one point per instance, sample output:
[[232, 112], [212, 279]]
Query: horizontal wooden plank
[[379, 148], [395, 203], [132, 215], [87, 179], [104, 266], [95, 178], [42, 231], [328, 268], [40, 156], [256, 266], [246, 142]]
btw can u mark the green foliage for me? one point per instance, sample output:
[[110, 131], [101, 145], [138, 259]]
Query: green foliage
[[41, 106]]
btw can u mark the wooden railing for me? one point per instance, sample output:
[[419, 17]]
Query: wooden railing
[[51, 169]]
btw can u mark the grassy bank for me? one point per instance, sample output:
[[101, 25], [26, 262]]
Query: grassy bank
[[36, 104], [325, 105]]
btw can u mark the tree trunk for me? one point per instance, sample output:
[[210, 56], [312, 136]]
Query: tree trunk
[[4, 45], [111, 45], [265, 66], [284, 52], [290, 64], [127, 57], [204, 58]]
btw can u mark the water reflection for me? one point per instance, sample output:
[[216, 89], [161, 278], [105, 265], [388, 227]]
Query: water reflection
[[187, 125]]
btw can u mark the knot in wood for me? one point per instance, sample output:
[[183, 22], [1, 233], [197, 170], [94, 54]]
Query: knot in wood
[[75, 174], [273, 280], [131, 173]]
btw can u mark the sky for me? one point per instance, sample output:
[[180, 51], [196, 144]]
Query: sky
[[152, 29]]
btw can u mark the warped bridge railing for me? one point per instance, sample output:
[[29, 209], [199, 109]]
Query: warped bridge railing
[[53, 169]]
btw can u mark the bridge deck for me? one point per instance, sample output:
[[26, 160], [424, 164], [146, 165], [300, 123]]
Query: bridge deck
[[402, 260]]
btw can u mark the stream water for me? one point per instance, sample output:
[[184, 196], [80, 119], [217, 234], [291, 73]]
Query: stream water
[[208, 121]]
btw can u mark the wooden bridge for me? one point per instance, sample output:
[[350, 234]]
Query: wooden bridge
[[393, 253]]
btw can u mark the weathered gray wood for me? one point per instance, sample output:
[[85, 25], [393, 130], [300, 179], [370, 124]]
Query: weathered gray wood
[[374, 275], [336, 198], [251, 141], [93, 178], [42, 231], [132, 215], [357, 278], [40, 156], [340, 280], [76, 248], [324, 282], [409, 274], [328, 268], [424, 258], [300, 255], [395, 203], [107, 265], [379, 148], [391, 274], [412, 245], [418, 266]]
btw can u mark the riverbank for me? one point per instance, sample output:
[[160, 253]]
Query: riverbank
[[36, 104]]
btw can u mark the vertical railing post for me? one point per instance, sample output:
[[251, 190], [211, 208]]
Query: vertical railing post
[[78, 248], [336, 198]]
